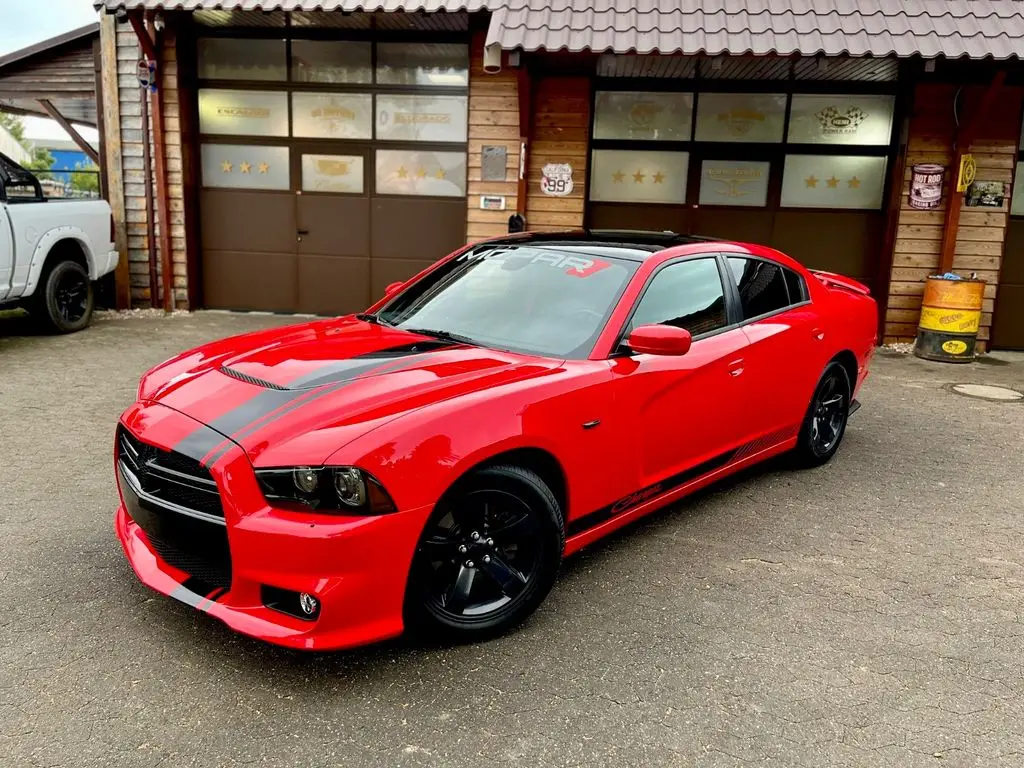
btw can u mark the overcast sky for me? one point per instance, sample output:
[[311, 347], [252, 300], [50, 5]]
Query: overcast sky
[[24, 23]]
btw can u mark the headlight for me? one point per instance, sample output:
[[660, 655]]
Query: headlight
[[344, 490]]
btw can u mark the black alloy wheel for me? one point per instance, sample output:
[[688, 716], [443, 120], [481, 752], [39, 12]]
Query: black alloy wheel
[[71, 295], [825, 423], [64, 299], [488, 555]]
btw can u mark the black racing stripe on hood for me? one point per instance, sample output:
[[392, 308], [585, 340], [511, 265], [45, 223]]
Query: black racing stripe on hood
[[350, 368], [254, 414]]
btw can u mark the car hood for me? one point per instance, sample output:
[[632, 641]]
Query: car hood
[[294, 396]]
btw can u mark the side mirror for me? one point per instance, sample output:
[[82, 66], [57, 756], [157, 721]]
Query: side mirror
[[660, 340], [393, 287]]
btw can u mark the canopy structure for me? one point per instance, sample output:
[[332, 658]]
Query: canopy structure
[[57, 79]]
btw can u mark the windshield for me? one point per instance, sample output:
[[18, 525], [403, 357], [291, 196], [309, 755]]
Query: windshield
[[545, 300]]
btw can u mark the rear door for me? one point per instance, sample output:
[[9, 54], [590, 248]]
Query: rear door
[[682, 409], [786, 353]]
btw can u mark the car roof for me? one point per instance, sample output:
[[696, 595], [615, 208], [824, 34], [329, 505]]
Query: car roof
[[634, 245]]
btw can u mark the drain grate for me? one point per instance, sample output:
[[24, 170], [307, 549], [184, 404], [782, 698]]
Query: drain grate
[[988, 392]]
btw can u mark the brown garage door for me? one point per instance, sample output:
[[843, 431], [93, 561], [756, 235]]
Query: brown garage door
[[1008, 321], [330, 168], [803, 172]]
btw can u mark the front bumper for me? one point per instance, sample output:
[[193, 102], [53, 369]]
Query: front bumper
[[355, 566]]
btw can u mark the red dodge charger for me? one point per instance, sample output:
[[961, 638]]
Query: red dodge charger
[[428, 464]]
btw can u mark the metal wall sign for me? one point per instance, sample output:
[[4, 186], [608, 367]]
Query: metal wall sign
[[926, 186], [968, 169], [493, 163], [556, 179]]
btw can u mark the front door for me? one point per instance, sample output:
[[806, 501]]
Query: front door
[[684, 409]]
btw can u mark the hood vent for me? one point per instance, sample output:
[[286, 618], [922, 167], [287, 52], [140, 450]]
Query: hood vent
[[249, 379]]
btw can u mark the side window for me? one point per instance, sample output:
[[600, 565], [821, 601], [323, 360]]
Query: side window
[[761, 285], [687, 295], [797, 287]]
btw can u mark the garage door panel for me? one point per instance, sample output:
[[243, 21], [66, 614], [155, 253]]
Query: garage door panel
[[1008, 321], [334, 226], [247, 221], [249, 280], [848, 243], [673, 218], [387, 271], [333, 285], [417, 228]]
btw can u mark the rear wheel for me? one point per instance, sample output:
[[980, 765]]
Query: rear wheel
[[64, 298], [487, 557], [825, 423]]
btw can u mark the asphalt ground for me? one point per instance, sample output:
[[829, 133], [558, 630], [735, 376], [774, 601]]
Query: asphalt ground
[[867, 613]]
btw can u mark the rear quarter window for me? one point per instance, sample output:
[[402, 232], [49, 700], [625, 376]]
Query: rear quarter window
[[761, 286], [796, 286]]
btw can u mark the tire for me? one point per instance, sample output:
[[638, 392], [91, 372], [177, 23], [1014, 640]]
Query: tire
[[487, 557], [825, 422], [64, 299]]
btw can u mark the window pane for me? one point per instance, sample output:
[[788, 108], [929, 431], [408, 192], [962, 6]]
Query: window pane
[[1017, 201], [841, 120], [761, 285], [245, 167], [331, 61], [332, 173], [687, 295], [796, 286], [404, 172], [833, 181], [234, 59], [741, 117], [332, 115], [734, 182], [423, 64], [638, 176], [421, 118], [644, 115], [243, 113]]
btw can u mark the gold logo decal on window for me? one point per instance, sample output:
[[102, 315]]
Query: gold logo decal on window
[[260, 113]]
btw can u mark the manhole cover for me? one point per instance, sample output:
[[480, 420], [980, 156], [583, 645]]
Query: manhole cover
[[987, 392]]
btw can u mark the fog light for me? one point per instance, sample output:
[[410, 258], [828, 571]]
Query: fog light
[[308, 603]]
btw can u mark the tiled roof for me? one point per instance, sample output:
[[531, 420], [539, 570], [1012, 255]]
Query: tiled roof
[[953, 28], [295, 5]]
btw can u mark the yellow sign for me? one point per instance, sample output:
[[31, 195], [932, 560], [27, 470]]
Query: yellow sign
[[968, 169], [950, 320], [955, 347]]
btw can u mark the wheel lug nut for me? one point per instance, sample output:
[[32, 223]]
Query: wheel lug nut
[[462, 549], [490, 542], [469, 563], [474, 536], [487, 558]]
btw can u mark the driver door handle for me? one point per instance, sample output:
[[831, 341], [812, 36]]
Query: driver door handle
[[735, 367]]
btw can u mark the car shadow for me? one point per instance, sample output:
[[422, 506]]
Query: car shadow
[[17, 323]]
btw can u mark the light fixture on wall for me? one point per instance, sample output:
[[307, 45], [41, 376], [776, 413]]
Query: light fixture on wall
[[492, 59]]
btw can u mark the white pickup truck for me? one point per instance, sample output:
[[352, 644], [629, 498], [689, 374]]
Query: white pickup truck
[[51, 250]]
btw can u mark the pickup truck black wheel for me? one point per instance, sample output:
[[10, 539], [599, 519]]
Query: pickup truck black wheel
[[487, 557], [64, 299]]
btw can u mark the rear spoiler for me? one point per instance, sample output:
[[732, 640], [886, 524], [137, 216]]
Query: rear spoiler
[[832, 280]]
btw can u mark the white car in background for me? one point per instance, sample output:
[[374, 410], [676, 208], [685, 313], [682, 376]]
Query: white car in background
[[51, 250]]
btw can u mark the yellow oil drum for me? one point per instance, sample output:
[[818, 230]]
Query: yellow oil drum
[[950, 318]]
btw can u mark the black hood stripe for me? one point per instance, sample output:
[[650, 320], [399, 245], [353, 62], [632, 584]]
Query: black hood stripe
[[254, 414]]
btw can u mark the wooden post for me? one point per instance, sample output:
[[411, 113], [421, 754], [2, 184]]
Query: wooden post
[[524, 92], [160, 166], [111, 108]]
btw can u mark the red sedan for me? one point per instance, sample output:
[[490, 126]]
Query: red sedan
[[429, 463]]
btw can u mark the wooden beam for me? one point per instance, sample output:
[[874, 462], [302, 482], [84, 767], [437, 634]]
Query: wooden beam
[[965, 136], [160, 168], [145, 40], [76, 137], [111, 108]]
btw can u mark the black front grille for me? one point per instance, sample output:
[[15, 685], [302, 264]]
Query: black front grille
[[174, 500], [170, 476]]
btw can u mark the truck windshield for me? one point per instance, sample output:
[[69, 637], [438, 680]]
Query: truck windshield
[[546, 300]]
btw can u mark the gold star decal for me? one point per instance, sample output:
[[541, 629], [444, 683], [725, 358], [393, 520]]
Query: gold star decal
[[226, 167], [638, 178], [263, 167], [833, 182], [659, 177], [421, 173], [854, 183], [440, 173], [618, 176], [402, 173], [244, 167], [811, 182]]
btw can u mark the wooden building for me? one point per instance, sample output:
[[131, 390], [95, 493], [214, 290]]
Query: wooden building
[[306, 154]]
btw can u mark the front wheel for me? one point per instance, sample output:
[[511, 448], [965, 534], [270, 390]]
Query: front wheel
[[64, 298], [825, 423], [487, 557]]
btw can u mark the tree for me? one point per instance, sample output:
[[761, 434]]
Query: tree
[[15, 127], [86, 179], [41, 160]]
